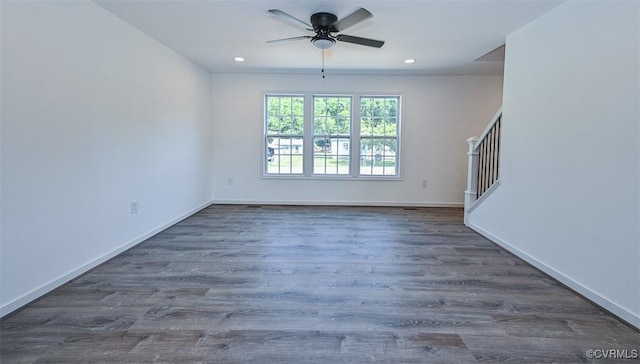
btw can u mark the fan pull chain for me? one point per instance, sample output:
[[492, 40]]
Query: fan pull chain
[[323, 63]]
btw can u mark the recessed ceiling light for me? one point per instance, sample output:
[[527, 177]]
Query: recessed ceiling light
[[238, 59], [409, 61]]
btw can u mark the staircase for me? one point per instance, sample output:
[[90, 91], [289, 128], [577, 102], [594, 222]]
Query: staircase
[[483, 173]]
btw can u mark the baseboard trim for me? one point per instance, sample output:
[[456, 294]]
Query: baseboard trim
[[48, 287], [340, 203], [620, 312]]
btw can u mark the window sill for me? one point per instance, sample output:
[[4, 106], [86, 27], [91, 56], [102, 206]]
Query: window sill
[[332, 178]]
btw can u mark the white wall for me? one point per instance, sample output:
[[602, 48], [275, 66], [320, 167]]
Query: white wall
[[95, 114], [439, 113], [569, 201]]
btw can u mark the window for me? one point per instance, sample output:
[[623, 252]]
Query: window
[[284, 134], [331, 135], [322, 136], [379, 136]]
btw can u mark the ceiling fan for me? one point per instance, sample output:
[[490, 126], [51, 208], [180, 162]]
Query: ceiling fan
[[323, 24]]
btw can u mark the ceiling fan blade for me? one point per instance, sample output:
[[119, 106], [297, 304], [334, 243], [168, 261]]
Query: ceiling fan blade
[[291, 19], [361, 41], [290, 39], [351, 19]]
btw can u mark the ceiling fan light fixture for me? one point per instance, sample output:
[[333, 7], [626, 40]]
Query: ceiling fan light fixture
[[323, 43]]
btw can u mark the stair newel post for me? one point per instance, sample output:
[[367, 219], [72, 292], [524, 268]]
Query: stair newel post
[[471, 194]]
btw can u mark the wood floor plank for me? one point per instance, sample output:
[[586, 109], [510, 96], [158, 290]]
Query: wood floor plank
[[322, 284]]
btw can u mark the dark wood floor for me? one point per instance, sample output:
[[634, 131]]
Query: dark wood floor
[[274, 284]]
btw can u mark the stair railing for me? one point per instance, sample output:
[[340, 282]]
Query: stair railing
[[483, 170]]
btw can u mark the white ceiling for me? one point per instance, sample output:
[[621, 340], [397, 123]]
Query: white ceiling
[[445, 37]]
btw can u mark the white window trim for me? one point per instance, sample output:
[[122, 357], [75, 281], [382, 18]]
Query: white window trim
[[354, 174], [351, 133], [399, 128], [265, 134]]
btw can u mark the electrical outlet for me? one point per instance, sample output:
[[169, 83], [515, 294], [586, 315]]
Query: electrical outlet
[[134, 207], [424, 183]]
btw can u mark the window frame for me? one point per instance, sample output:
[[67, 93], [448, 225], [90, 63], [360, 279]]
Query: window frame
[[382, 138], [338, 136], [267, 135], [355, 137]]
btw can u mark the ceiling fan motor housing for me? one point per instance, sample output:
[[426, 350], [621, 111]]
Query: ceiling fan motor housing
[[323, 20]]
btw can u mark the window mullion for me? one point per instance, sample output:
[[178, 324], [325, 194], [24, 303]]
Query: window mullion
[[308, 135], [355, 136]]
